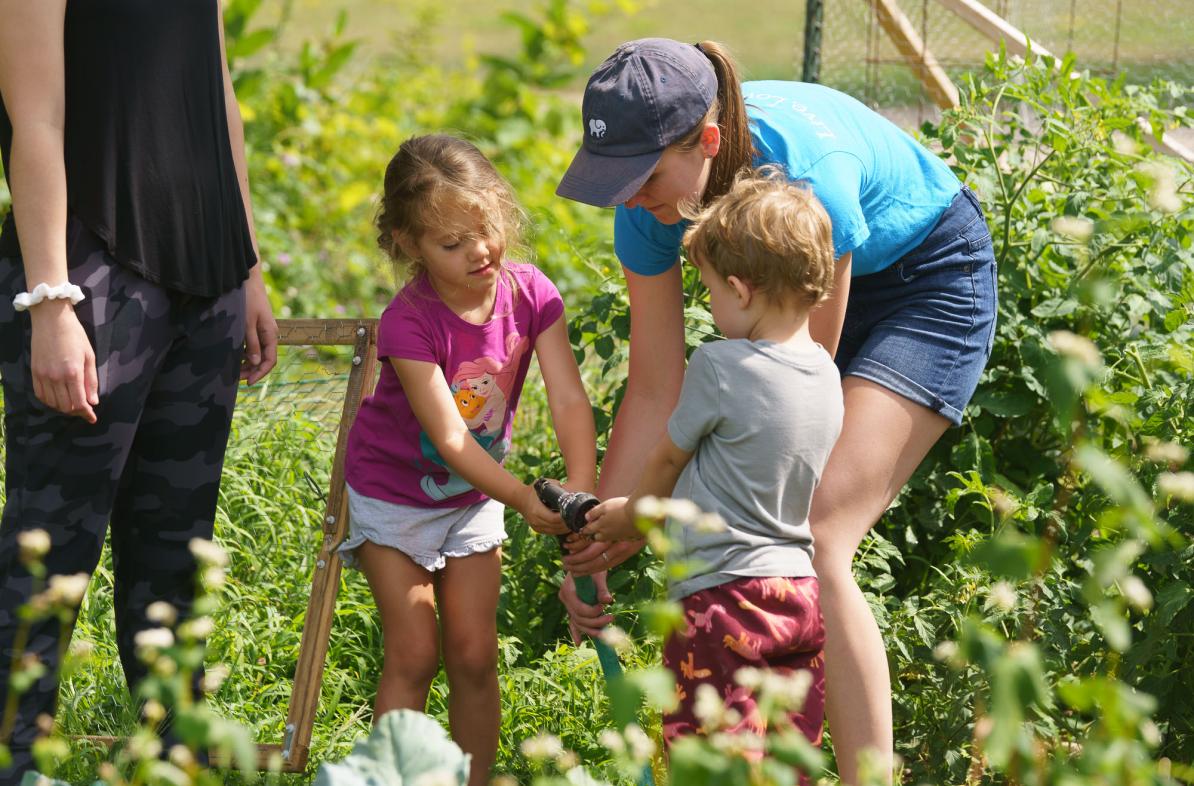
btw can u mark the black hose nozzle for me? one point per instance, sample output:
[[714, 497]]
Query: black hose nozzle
[[571, 505]]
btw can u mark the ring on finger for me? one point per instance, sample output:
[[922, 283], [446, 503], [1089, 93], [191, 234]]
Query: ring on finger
[[605, 556]]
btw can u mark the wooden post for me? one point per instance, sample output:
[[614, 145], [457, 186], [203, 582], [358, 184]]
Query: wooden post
[[917, 55], [993, 26]]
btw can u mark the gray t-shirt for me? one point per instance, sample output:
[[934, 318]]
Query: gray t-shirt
[[761, 420]]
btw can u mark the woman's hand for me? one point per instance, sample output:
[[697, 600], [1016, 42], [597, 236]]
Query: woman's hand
[[261, 330], [541, 518], [583, 618], [62, 360], [611, 521], [599, 557]]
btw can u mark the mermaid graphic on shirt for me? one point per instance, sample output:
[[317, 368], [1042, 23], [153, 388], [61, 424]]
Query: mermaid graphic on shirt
[[481, 388]]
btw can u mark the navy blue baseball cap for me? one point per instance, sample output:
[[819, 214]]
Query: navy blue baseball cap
[[648, 94]]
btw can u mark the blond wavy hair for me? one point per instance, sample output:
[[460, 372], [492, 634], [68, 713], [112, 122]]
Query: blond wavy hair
[[769, 232]]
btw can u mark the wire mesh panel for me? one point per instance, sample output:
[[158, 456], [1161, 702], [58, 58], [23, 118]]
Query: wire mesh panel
[[284, 495], [1142, 40]]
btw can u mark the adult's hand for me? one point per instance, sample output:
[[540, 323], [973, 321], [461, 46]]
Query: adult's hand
[[62, 360], [585, 619], [599, 557], [261, 330]]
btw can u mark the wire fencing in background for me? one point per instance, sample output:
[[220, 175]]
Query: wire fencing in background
[[1143, 40]]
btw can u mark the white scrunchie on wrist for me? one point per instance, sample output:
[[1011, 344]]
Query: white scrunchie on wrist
[[67, 291]]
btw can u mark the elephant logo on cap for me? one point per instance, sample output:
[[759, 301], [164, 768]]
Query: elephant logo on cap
[[596, 128]]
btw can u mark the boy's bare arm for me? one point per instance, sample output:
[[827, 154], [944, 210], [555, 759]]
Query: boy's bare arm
[[614, 519]]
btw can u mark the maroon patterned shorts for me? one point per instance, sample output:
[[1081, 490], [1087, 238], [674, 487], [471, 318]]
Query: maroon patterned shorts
[[767, 623]]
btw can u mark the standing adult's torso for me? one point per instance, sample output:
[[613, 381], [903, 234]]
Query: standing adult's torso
[[149, 164]]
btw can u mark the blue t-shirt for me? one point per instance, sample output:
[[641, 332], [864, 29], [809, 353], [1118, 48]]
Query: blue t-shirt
[[882, 189]]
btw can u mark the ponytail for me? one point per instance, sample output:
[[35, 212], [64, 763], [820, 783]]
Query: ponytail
[[729, 112]]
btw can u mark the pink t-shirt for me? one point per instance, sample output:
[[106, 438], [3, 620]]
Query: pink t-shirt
[[389, 455]]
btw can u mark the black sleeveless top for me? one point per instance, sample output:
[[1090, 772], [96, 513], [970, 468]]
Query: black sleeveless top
[[149, 165]]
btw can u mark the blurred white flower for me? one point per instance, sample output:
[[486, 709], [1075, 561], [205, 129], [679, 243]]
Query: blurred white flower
[[709, 522], [684, 511], [749, 677], [153, 711], [640, 745], [208, 552], [154, 638], [161, 612], [1002, 596], [786, 690], [617, 638], [1079, 228], [1136, 593], [564, 762], [181, 756], [1166, 453], [198, 628], [81, 649], [1179, 485], [649, 507], [612, 741], [34, 543], [1124, 144], [214, 577], [945, 651], [544, 746], [711, 711], [707, 705], [1162, 193], [214, 676], [69, 590], [1077, 347]]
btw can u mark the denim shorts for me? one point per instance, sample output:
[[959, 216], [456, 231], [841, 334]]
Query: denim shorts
[[923, 327]]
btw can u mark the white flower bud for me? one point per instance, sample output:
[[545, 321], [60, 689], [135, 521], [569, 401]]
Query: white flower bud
[[69, 590], [1136, 593], [1079, 228], [617, 638], [544, 746], [1166, 453], [1074, 346], [641, 746], [208, 553], [612, 741], [1001, 596], [161, 612], [34, 543], [649, 508], [1179, 485], [154, 638]]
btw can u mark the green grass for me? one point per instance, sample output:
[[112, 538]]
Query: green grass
[[768, 40]]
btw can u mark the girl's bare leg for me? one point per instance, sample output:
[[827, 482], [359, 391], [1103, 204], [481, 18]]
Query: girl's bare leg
[[468, 598], [884, 437], [405, 595]]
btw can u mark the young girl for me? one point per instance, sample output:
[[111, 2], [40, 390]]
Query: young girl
[[425, 482]]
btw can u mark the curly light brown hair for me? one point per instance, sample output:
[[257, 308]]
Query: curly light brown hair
[[432, 174], [769, 232]]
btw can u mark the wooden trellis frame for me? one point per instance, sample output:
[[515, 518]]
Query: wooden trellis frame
[[295, 748]]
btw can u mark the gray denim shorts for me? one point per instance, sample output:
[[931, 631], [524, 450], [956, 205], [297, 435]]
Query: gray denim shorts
[[429, 536]]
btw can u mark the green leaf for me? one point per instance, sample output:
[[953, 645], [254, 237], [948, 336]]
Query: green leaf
[[404, 746], [1011, 555], [1113, 477]]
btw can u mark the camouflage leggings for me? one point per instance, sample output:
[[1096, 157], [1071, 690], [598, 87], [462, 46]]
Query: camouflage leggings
[[168, 365]]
